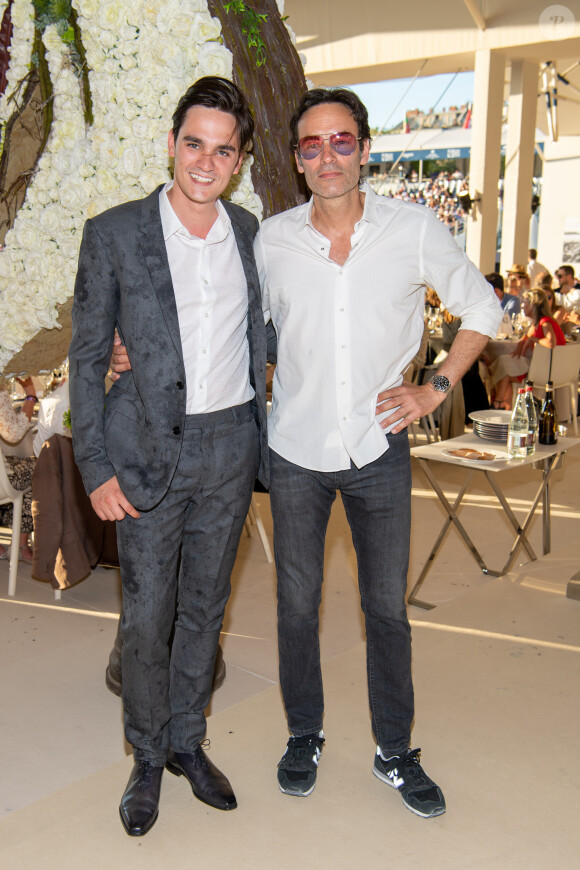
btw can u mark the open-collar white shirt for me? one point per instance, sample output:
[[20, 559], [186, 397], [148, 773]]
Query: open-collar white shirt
[[211, 294], [345, 333]]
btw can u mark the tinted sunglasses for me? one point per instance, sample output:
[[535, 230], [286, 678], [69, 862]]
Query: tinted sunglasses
[[341, 143]]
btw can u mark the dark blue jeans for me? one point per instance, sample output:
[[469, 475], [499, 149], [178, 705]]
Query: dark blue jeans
[[377, 502]]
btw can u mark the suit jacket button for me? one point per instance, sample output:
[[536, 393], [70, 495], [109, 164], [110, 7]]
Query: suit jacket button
[[179, 385], [176, 430]]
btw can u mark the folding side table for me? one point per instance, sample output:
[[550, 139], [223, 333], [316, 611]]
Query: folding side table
[[546, 458]]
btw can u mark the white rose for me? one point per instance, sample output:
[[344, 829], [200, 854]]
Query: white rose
[[85, 170], [128, 32], [22, 14], [205, 27], [128, 61], [26, 235], [72, 196], [111, 14], [35, 267], [132, 160], [6, 266], [214, 60], [151, 178], [108, 39], [49, 219], [87, 8], [150, 10], [134, 83], [106, 181], [163, 48], [64, 162]]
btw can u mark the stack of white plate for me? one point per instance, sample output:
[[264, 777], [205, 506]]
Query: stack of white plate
[[491, 425]]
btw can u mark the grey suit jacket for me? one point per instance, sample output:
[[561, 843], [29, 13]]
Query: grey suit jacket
[[123, 281]]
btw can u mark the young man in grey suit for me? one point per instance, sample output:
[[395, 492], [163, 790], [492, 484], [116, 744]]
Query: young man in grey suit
[[172, 452]]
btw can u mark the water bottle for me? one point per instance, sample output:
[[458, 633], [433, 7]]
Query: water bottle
[[519, 427], [548, 420], [532, 417]]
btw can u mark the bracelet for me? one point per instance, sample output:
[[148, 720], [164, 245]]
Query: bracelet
[[33, 398]]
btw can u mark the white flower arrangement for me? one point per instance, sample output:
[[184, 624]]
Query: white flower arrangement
[[142, 56]]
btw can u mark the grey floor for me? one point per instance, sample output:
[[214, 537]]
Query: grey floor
[[496, 668]]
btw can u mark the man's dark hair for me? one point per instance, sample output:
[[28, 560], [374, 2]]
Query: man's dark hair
[[322, 96], [567, 270], [533, 253], [215, 92], [496, 280]]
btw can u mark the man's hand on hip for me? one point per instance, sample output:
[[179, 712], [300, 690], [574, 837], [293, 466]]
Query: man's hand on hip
[[109, 503], [120, 361], [411, 402]]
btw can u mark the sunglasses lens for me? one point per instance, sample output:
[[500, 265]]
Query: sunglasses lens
[[310, 147], [342, 143]]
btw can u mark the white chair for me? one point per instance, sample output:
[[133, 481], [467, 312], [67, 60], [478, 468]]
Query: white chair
[[254, 516], [9, 494], [563, 372]]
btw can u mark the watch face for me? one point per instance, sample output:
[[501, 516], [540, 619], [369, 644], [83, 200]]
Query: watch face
[[441, 383]]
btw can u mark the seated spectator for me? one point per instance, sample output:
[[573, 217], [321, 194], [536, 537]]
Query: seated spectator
[[510, 304], [569, 295], [13, 427], [508, 368], [51, 416], [518, 280]]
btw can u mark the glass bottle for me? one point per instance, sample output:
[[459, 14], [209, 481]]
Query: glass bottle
[[532, 417], [548, 422], [519, 427]]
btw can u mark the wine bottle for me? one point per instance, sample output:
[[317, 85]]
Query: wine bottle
[[548, 420]]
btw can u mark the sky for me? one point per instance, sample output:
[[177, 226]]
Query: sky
[[381, 98]]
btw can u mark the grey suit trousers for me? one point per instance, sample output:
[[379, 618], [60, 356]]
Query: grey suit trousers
[[176, 561]]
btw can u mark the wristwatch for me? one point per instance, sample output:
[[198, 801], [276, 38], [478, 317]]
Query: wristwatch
[[440, 383]]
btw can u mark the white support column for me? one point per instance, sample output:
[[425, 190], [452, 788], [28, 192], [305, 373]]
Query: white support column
[[485, 158], [519, 163]]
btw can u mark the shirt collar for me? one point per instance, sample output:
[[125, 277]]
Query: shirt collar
[[172, 225]]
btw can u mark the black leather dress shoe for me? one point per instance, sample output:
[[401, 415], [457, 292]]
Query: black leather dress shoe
[[208, 783], [139, 806]]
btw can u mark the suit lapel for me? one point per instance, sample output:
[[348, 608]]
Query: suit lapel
[[245, 243], [155, 257]]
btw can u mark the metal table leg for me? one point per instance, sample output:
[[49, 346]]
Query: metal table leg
[[452, 518], [548, 466]]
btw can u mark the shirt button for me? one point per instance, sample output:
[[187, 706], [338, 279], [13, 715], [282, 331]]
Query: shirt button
[[342, 309], [176, 430], [179, 385], [204, 350]]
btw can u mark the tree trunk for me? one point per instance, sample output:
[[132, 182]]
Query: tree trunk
[[274, 91]]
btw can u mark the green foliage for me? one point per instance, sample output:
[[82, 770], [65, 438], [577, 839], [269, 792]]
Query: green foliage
[[251, 27], [66, 419]]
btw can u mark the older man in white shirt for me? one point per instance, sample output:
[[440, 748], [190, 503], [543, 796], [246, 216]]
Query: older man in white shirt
[[343, 281]]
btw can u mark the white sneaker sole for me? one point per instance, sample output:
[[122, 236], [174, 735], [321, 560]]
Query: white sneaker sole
[[384, 778]]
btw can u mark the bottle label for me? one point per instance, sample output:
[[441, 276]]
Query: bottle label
[[517, 440]]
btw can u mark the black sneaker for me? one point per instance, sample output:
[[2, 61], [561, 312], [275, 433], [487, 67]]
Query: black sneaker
[[403, 772], [299, 764]]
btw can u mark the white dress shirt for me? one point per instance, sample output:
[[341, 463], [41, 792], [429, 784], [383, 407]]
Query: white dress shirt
[[345, 333], [50, 417], [211, 295], [569, 300]]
